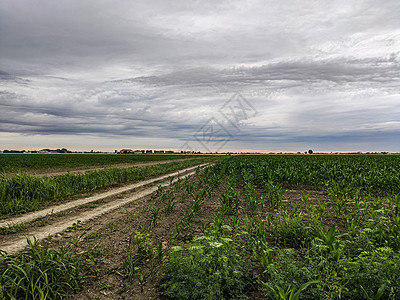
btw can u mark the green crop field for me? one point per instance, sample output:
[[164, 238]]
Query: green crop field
[[258, 227], [23, 162], [24, 192], [341, 244]]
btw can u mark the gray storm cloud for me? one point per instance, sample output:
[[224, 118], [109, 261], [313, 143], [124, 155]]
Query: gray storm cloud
[[319, 74]]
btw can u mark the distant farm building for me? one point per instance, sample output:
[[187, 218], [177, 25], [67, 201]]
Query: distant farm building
[[125, 151]]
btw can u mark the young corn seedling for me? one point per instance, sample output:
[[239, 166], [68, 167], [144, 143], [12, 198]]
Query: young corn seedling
[[169, 206], [154, 217], [252, 198], [306, 199], [264, 254], [141, 277], [227, 203], [130, 215], [321, 208], [290, 294], [275, 193], [333, 244], [218, 221]]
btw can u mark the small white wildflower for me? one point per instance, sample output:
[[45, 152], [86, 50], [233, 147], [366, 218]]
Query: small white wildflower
[[215, 244]]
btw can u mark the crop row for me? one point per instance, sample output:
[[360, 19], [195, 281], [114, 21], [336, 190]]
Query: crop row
[[342, 174], [258, 239], [23, 192], [22, 162]]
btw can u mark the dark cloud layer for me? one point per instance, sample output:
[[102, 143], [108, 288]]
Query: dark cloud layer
[[322, 74]]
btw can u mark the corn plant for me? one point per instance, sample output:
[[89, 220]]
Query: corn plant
[[275, 193], [230, 200], [289, 294], [252, 198], [154, 217]]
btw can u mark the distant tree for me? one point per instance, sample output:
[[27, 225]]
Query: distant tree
[[310, 151]]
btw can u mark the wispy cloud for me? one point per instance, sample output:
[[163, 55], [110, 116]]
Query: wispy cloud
[[320, 74]]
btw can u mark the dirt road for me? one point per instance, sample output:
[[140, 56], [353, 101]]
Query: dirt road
[[17, 242]]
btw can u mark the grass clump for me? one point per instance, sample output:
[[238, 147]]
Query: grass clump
[[211, 268], [40, 273]]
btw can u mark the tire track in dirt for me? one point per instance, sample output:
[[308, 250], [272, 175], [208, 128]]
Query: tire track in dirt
[[69, 205], [18, 242]]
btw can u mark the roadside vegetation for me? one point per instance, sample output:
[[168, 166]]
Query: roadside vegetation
[[23, 193], [41, 273], [258, 227]]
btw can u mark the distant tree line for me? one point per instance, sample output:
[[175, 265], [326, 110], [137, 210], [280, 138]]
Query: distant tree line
[[14, 151], [62, 150]]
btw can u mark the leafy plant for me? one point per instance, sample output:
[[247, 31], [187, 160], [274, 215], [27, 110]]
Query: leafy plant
[[141, 247], [211, 268]]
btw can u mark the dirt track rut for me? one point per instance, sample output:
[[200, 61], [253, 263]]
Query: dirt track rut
[[18, 241]]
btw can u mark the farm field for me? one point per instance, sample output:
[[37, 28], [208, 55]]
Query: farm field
[[22, 193], [257, 227], [14, 163], [55, 219]]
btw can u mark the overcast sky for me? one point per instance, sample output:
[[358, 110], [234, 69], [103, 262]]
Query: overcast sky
[[201, 75]]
